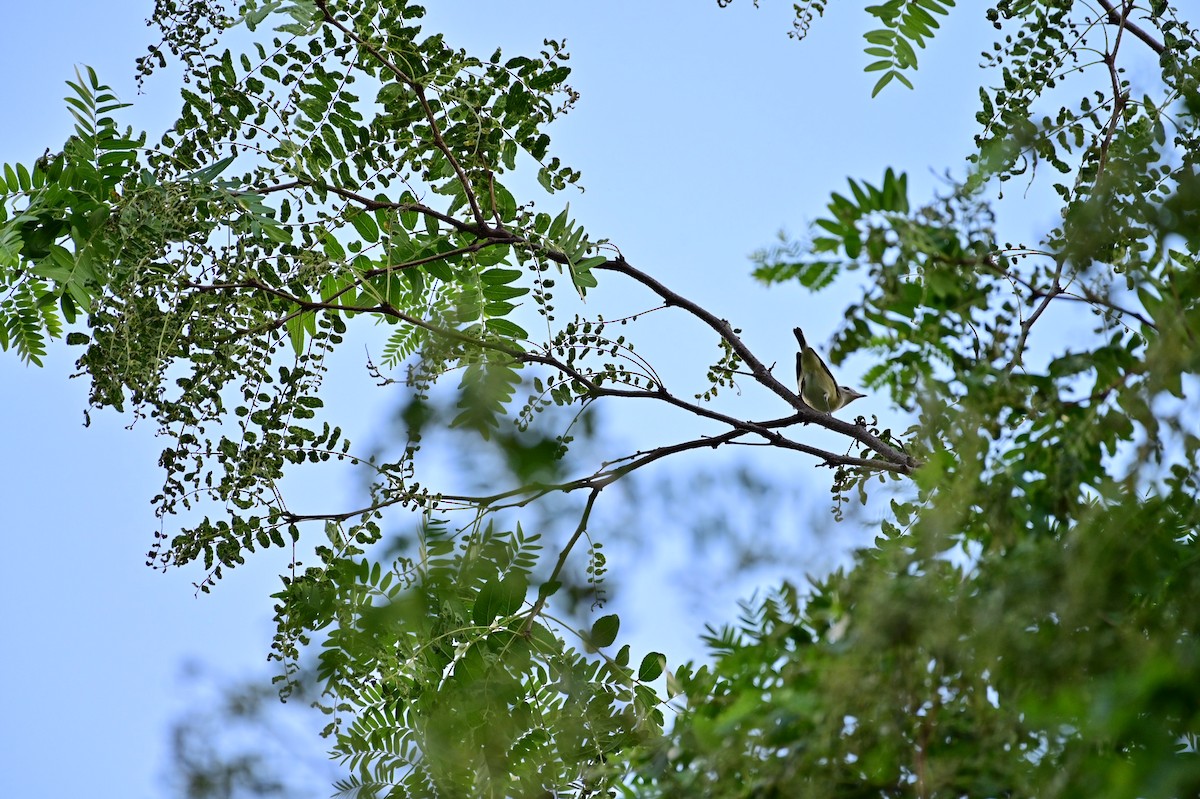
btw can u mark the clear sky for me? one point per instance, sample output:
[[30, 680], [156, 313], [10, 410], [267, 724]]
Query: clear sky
[[700, 133]]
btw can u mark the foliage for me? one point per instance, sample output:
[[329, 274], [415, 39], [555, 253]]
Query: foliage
[[906, 23], [67, 196], [1025, 623]]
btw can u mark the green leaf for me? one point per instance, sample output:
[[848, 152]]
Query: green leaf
[[604, 631], [559, 224], [503, 292], [832, 226], [499, 598], [499, 277], [506, 205], [332, 247], [906, 56], [297, 333], [921, 15], [506, 328], [210, 172], [852, 243], [497, 308], [652, 666], [364, 223], [549, 589], [884, 81]]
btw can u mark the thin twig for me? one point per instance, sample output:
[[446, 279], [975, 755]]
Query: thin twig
[[419, 90], [562, 560], [1055, 290], [1119, 98]]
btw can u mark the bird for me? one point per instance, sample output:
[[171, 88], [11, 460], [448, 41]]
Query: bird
[[817, 387]]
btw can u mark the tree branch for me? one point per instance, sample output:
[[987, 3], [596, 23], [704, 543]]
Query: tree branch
[[759, 371], [1119, 97], [1027, 325], [1121, 19], [900, 462]]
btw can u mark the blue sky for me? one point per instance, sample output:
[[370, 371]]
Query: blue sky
[[700, 133]]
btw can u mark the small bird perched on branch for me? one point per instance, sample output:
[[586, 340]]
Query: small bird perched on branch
[[817, 387]]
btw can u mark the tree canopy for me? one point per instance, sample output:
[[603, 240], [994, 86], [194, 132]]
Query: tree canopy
[[1025, 623]]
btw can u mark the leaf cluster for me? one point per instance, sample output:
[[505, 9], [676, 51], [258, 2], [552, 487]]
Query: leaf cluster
[[54, 259], [451, 684]]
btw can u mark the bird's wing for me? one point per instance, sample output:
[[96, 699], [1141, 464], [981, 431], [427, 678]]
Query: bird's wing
[[821, 364]]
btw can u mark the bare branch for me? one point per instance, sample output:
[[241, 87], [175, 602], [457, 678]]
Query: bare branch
[[1119, 98], [759, 371], [1121, 19], [562, 560], [1048, 297]]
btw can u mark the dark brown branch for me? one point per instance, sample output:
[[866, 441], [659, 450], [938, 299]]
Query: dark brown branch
[[599, 482], [1121, 19], [722, 327], [1085, 295], [1088, 297], [758, 370], [902, 465], [605, 476], [525, 494], [892, 460], [1119, 97], [600, 479]]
